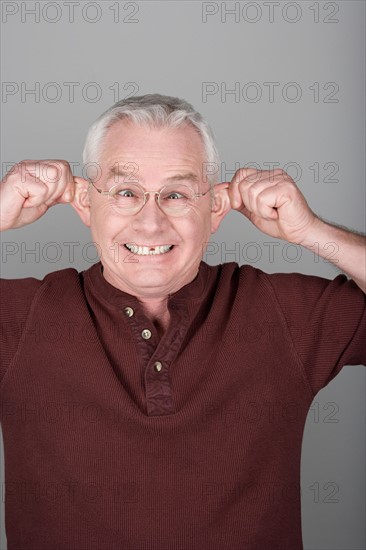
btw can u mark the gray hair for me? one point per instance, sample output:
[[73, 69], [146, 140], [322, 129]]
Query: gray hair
[[155, 110]]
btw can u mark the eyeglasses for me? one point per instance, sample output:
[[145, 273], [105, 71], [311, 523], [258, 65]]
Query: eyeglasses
[[174, 199]]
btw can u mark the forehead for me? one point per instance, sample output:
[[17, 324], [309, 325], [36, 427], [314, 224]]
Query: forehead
[[127, 141]]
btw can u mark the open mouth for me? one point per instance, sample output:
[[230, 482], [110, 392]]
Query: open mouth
[[148, 250]]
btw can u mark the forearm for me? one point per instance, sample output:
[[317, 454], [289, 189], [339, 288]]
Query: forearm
[[347, 250]]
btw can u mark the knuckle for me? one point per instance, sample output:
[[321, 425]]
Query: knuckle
[[51, 173], [41, 189], [242, 173], [254, 174], [63, 164], [251, 170], [261, 200], [279, 172], [238, 174], [56, 170], [286, 176], [14, 169], [251, 193]]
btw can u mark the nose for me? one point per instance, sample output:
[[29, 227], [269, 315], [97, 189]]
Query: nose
[[150, 218], [154, 197]]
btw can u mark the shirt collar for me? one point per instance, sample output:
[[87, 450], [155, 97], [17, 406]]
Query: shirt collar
[[195, 290]]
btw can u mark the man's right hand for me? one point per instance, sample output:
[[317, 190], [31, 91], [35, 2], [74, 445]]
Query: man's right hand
[[30, 188]]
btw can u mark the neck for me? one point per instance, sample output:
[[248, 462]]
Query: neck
[[155, 308]]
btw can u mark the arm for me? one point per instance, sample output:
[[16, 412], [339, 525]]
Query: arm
[[273, 203], [347, 250]]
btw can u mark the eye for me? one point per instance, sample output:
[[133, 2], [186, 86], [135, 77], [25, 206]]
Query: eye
[[125, 193], [175, 195]]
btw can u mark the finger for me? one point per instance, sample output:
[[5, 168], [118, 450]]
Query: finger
[[33, 191], [39, 183], [269, 201], [249, 174], [245, 192], [69, 193], [251, 191], [59, 179], [222, 185]]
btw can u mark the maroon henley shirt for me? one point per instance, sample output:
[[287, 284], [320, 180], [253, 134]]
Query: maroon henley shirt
[[116, 440]]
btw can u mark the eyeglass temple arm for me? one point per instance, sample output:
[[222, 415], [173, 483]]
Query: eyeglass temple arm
[[97, 188], [210, 189]]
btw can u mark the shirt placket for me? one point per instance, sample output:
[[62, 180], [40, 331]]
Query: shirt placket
[[157, 356]]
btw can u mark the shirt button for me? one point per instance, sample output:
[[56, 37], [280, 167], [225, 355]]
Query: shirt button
[[146, 334], [129, 311], [158, 366]]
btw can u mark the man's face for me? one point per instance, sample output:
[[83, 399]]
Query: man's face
[[153, 157]]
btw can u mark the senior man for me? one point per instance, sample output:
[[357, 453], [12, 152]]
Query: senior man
[[170, 414]]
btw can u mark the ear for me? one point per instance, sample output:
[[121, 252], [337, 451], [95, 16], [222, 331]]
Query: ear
[[220, 205], [81, 201]]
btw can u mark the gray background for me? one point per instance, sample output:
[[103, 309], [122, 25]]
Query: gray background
[[314, 127]]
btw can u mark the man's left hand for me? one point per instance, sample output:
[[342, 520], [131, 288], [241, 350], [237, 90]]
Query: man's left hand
[[271, 200]]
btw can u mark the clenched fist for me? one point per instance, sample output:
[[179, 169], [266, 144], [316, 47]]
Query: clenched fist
[[30, 188], [271, 200]]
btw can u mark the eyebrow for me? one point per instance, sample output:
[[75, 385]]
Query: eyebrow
[[116, 171], [184, 176], [187, 176]]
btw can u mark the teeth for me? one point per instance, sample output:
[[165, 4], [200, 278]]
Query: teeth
[[148, 250]]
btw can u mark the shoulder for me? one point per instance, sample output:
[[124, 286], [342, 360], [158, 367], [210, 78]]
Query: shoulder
[[17, 295], [248, 274], [285, 287], [30, 285], [301, 287], [248, 277]]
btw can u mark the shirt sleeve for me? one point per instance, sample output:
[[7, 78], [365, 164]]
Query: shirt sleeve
[[326, 320], [16, 297]]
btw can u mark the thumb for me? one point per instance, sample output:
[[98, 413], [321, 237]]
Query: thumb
[[69, 192]]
